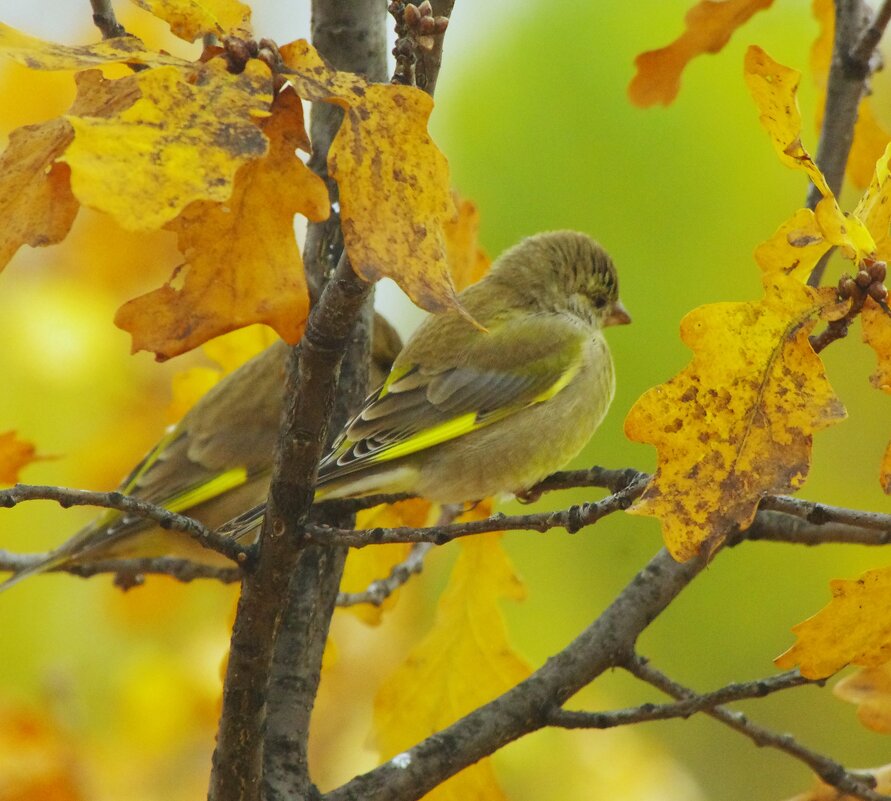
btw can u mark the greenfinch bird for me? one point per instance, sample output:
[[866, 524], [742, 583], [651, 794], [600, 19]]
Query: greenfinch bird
[[211, 465], [470, 411]]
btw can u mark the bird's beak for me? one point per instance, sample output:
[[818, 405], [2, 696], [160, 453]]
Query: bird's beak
[[618, 316]]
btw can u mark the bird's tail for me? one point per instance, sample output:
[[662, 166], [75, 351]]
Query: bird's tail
[[50, 561]]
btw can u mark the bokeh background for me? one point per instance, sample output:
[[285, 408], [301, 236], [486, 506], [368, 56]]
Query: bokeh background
[[118, 693]]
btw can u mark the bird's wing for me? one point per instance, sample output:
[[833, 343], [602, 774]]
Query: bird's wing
[[511, 366]]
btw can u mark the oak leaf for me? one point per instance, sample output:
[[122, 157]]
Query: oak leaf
[[38, 54], [37, 207], [182, 141], [15, 454], [709, 26], [465, 661], [853, 628], [876, 323], [242, 261], [189, 19], [737, 422], [870, 689], [392, 179], [468, 262]]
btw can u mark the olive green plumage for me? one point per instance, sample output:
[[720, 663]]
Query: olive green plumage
[[471, 411]]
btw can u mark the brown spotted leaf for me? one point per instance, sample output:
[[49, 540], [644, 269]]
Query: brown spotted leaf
[[190, 19], [37, 54], [709, 26], [737, 422], [393, 180], [242, 261], [183, 140], [37, 207]]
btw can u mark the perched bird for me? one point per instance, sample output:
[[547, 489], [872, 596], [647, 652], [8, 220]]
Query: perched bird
[[471, 411], [211, 465]]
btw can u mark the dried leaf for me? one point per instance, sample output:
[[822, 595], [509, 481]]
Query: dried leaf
[[15, 454], [465, 661], [243, 264], [393, 180], [737, 422], [189, 19], [709, 26], [366, 565], [37, 54], [468, 262], [37, 207], [182, 141], [870, 689], [853, 628]]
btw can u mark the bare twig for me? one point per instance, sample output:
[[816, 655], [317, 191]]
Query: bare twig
[[738, 691], [105, 20], [859, 785], [66, 497], [378, 591], [864, 49], [821, 513]]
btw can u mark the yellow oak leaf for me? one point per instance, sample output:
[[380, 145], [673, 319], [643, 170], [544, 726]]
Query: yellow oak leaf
[[737, 422], [870, 138], [15, 454], [877, 334], [795, 248], [853, 628], [189, 19], [393, 180], [885, 471], [37, 207], [774, 89], [874, 206], [826, 792], [709, 26], [366, 565], [870, 689], [37, 54], [468, 262], [182, 141], [464, 661], [242, 261]]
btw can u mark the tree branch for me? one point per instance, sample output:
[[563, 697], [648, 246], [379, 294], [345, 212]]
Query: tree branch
[[738, 691], [607, 642], [105, 20], [855, 784]]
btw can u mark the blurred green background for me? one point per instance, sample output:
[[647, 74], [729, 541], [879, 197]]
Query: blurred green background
[[533, 114]]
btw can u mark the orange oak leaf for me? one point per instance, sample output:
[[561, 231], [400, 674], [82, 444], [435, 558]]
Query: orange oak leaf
[[393, 180], [870, 689], [183, 140], [464, 661], [468, 262], [15, 454], [737, 422], [37, 207], [242, 261], [189, 19], [709, 26], [37, 54], [885, 471], [853, 628]]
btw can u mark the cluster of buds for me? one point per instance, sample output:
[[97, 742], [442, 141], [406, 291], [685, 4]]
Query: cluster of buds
[[420, 24], [238, 52], [869, 281]]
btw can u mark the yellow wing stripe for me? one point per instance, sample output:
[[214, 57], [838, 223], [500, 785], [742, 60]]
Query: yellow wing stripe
[[209, 489], [467, 423]]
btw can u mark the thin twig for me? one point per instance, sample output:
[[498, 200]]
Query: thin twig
[[859, 785], [865, 47], [105, 20], [738, 691], [66, 497], [821, 513], [378, 591]]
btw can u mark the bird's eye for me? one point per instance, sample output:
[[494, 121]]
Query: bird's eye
[[599, 302]]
